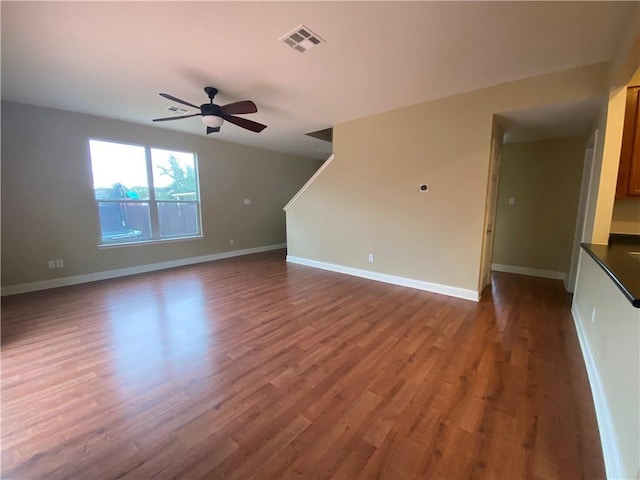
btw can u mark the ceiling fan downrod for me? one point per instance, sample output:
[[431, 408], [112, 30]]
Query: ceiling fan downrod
[[211, 92]]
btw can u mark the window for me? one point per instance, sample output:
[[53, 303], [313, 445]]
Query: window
[[143, 193]]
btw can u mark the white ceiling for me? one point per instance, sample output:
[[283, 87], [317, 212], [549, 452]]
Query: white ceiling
[[112, 59], [550, 121]]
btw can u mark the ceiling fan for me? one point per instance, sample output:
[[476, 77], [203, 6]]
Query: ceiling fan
[[213, 116]]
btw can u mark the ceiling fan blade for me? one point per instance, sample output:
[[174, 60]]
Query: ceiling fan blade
[[171, 97], [212, 130], [244, 123], [175, 118], [246, 106]]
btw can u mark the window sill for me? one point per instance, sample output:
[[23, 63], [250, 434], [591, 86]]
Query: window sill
[[154, 241]]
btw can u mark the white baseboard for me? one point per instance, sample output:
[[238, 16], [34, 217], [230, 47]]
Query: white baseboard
[[123, 272], [464, 293], [610, 451], [532, 272]]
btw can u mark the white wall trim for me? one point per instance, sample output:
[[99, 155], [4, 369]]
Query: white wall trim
[[611, 453], [464, 293], [532, 272], [309, 182], [123, 272]]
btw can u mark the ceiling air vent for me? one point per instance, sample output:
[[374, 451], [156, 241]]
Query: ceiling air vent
[[302, 39], [177, 110]]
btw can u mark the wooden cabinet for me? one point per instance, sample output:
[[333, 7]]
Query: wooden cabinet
[[629, 171]]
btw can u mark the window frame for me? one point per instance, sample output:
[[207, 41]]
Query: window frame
[[154, 218]]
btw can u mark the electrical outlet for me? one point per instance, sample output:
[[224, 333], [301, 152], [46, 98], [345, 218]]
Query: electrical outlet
[[51, 263], [247, 201], [231, 241], [593, 315], [59, 263], [371, 258]]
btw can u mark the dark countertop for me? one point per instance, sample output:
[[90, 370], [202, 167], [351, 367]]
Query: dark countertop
[[615, 260]]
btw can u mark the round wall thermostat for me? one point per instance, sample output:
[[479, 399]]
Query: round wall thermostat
[[424, 187]]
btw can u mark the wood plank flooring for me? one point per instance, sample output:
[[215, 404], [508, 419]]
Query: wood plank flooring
[[253, 368]]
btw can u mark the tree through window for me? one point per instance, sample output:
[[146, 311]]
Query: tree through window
[[144, 193]]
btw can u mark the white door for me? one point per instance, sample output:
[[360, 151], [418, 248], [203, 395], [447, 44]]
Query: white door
[[490, 214], [583, 203]]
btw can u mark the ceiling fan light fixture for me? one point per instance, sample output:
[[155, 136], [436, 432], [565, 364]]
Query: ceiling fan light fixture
[[212, 121]]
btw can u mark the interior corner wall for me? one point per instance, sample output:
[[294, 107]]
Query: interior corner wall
[[49, 212], [543, 177], [368, 200], [624, 64], [605, 168], [608, 127], [606, 322]]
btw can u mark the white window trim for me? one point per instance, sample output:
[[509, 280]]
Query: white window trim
[[106, 246]]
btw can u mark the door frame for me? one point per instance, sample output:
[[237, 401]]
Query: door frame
[[581, 214], [491, 208]]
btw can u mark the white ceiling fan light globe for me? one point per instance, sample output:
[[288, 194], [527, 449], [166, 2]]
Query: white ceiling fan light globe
[[212, 121]]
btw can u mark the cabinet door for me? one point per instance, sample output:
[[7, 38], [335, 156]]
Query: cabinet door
[[634, 171], [629, 164]]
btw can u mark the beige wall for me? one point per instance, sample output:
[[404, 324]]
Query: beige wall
[[48, 211], [612, 338], [624, 69], [367, 200], [624, 63], [626, 216], [605, 170], [597, 132], [544, 178]]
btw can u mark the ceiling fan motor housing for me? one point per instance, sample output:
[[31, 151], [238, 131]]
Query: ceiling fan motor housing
[[210, 109]]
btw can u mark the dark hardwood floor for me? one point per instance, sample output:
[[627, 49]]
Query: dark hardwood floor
[[253, 368]]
